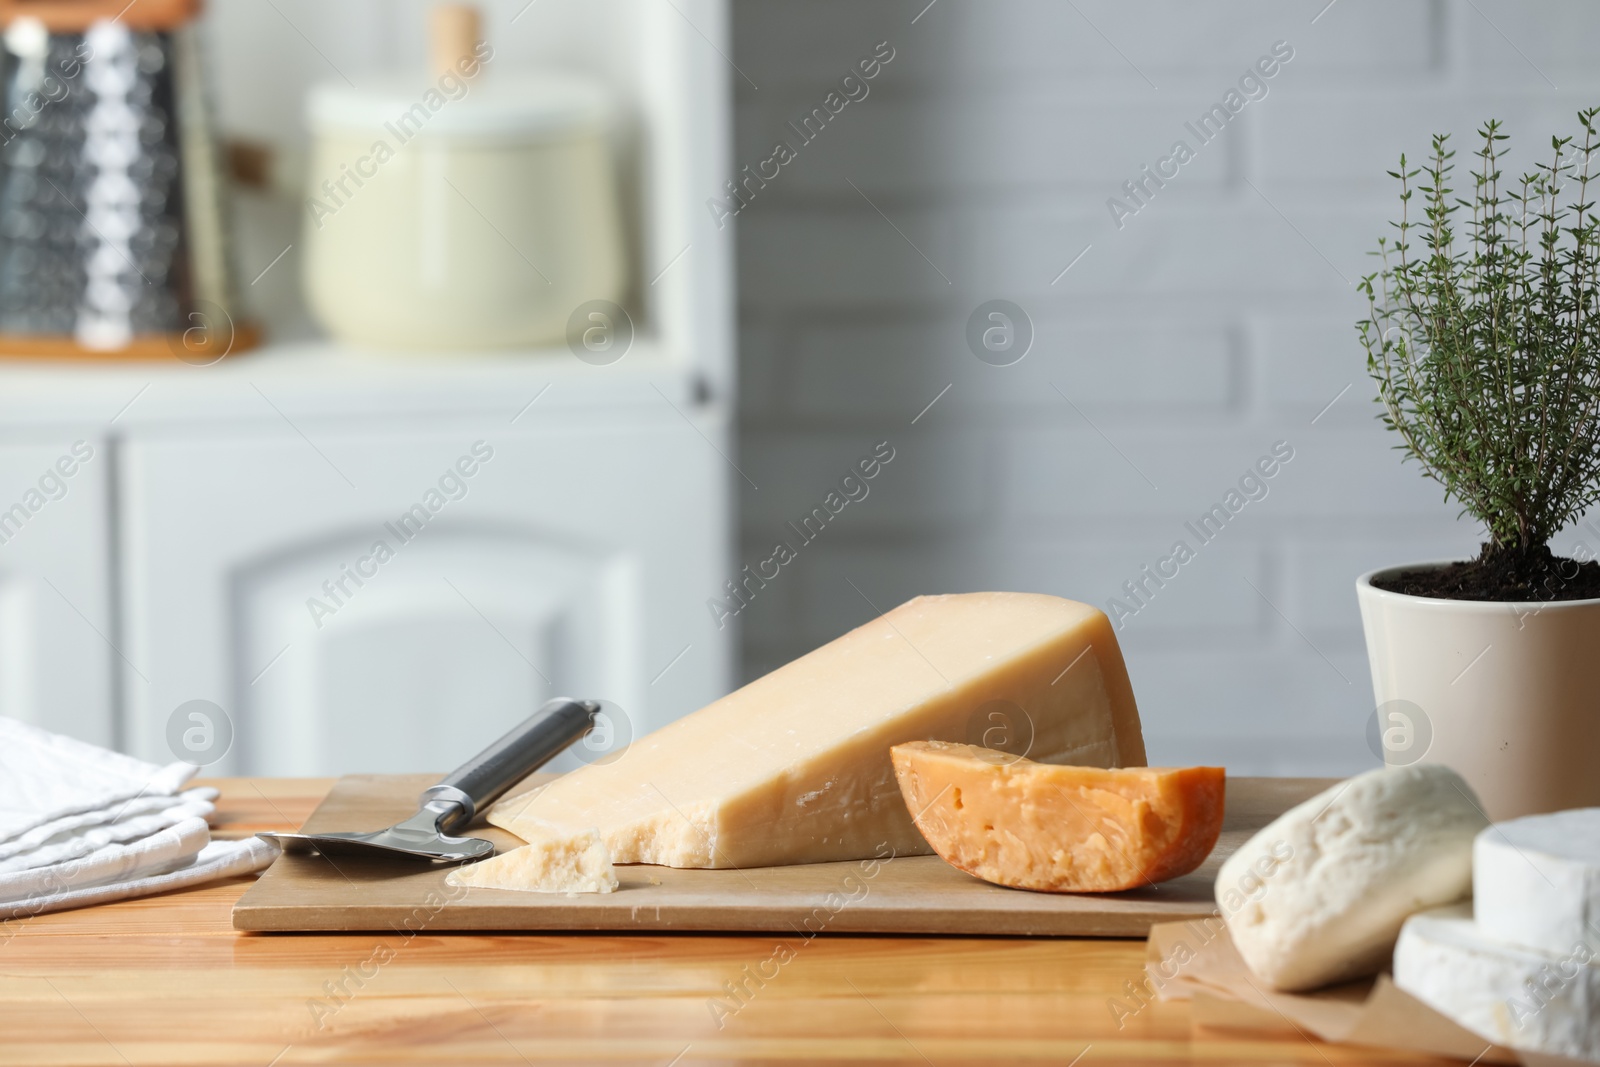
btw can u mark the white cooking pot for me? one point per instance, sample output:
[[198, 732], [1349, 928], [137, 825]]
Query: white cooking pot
[[472, 213]]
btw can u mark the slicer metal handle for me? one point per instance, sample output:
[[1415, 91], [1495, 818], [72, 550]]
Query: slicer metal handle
[[484, 778]]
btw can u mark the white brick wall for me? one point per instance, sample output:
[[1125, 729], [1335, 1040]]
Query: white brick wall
[[1217, 321]]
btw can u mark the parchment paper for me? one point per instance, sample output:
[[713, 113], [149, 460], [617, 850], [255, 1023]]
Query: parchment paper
[[1196, 961]]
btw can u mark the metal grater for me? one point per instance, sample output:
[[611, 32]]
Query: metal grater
[[111, 235]]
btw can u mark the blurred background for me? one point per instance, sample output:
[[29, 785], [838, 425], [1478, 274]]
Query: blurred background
[[616, 311]]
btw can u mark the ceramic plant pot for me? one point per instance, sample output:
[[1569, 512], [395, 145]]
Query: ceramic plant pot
[[1508, 694]]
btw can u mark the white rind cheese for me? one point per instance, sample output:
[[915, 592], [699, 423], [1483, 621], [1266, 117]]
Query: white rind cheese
[[795, 768], [1319, 895], [1536, 880], [1517, 997], [552, 861]]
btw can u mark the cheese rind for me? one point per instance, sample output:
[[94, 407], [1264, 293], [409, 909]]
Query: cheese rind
[[1518, 997], [794, 767], [551, 862], [1345, 870], [1536, 880], [1027, 825]]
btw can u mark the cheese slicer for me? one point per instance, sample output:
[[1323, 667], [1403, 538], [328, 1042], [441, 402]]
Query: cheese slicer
[[453, 803]]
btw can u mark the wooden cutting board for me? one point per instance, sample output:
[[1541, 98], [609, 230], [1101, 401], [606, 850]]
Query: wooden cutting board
[[903, 895]]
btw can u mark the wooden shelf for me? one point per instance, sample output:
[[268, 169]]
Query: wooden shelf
[[322, 379]]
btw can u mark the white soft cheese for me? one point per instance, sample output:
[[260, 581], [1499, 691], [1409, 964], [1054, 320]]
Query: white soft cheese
[[1536, 880], [1319, 895], [1517, 997]]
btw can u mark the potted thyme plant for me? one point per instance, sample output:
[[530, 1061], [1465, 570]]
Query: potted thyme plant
[[1484, 341]]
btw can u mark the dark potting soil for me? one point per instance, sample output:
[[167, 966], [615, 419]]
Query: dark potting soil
[[1504, 576]]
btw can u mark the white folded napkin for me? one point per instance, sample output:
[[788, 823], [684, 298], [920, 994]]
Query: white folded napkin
[[80, 825], [218, 860], [86, 821], [46, 776], [79, 835], [162, 851]]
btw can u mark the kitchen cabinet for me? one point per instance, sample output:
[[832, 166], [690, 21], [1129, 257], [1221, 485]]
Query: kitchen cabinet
[[377, 607], [380, 577], [56, 624], [348, 626], [221, 545]]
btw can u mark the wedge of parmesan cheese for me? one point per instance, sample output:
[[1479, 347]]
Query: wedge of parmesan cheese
[[551, 862], [795, 768]]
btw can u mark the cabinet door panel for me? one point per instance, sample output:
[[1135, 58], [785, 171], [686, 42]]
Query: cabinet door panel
[[309, 590], [466, 620], [56, 633]]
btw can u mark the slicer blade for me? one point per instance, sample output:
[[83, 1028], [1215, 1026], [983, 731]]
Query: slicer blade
[[443, 849], [421, 835]]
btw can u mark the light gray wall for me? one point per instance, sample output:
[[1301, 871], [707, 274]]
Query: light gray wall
[[1217, 321]]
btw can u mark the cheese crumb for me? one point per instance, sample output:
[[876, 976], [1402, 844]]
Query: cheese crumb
[[556, 862]]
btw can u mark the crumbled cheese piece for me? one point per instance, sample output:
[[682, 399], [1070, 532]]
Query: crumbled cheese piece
[[551, 862]]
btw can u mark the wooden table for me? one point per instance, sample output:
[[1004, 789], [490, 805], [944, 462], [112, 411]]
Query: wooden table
[[166, 981]]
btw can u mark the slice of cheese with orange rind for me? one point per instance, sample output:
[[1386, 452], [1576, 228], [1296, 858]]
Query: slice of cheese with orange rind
[[1015, 822]]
